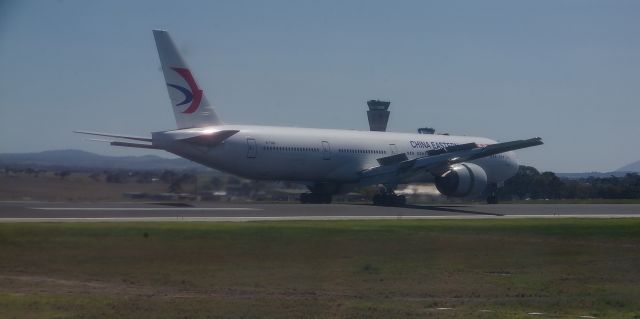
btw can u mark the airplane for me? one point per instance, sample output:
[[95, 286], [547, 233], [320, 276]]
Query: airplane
[[327, 161]]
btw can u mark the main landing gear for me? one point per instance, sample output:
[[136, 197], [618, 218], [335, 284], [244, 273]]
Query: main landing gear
[[492, 198], [389, 199], [315, 198]]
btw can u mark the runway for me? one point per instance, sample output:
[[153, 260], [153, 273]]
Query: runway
[[207, 211]]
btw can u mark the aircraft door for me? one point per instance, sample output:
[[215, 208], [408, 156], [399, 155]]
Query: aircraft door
[[393, 148], [326, 150], [252, 148]]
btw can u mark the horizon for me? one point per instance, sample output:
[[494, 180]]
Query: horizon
[[618, 170], [564, 71]]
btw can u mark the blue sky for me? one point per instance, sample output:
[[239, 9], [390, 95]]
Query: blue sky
[[568, 71]]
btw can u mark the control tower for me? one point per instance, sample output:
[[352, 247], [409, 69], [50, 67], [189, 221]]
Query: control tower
[[378, 115]]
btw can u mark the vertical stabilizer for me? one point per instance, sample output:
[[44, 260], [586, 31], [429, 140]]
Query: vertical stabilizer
[[190, 106]]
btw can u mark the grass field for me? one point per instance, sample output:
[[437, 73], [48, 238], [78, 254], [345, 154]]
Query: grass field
[[341, 269], [77, 187]]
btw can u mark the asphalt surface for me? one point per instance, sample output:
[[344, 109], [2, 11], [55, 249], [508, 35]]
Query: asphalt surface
[[164, 211]]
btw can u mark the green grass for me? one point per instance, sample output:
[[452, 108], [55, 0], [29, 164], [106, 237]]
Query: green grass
[[345, 269]]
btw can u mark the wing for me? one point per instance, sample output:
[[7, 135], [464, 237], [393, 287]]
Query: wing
[[437, 161]]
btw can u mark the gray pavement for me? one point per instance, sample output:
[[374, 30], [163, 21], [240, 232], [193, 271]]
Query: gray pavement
[[48, 211]]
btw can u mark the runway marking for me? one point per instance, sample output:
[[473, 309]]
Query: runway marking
[[284, 218], [148, 208]]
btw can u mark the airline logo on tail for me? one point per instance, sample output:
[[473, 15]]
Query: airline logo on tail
[[192, 95]]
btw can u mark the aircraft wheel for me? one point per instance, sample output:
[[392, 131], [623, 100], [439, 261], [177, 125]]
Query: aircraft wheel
[[377, 200], [400, 200], [389, 200], [492, 199]]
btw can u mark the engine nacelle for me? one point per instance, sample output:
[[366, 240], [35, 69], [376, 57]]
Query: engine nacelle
[[462, 180]]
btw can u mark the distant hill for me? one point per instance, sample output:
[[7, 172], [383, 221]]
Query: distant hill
[[76, 159], [633, 167], [591, 174], [630, 168]]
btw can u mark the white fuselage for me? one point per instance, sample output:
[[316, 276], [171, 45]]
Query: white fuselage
[[318, 155]]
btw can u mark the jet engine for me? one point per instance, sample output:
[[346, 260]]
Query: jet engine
[[462, 180]]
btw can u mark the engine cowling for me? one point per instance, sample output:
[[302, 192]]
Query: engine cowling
[[462, 180]]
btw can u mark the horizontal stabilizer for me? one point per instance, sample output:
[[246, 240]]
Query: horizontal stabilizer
[[211, 139], [127, 137], [136, 145], [99, 140]]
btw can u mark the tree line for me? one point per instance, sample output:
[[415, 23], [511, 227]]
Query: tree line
[[528, 183]]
